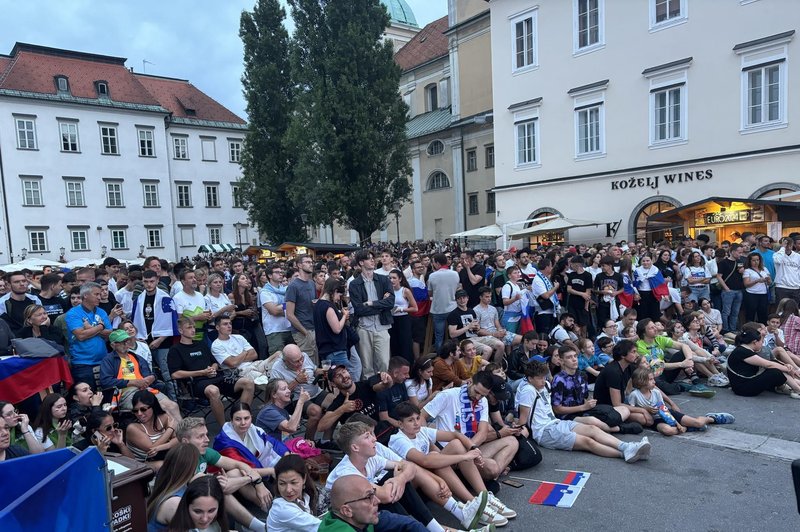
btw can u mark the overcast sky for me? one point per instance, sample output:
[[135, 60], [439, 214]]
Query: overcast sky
[[198, 41]]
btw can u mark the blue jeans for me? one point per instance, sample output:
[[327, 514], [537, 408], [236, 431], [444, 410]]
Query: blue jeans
[[439, 324], [352, 363], [731, 303], [160, 356], [700, 292]]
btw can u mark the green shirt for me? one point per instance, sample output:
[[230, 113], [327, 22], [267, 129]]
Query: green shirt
[[210, 457], [654, 350]]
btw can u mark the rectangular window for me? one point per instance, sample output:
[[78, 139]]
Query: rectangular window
[[472, 160], [588, 15], [26, 134], [237, 198], [524, 44], [490, 204], [489, 153], [37, 240], [187, 236], [79, 239], [184, 195], [209, 149], [668, 114], [764, 95], [69, 136], [114, 195], [212, 196], [473, 204], [119, 239], [214, 235], [235, 151], [181, 147], [587, 127], [154, 238], [75, 196], [150, 194], [146, 145], [526, 142], [32, 193], [108, 140], [666, 13]]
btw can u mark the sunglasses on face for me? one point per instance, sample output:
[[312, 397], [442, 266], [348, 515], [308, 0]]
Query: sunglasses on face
[[141, 410], [111, 427]]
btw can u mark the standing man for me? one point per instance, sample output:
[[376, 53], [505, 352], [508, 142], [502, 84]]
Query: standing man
[[14, 303], [442, 286], [189, 303], [419, 319], [730, 280], [88, 327], [156, 321], [787, 270], [372, 299], [111, 266], [272, 299], [300, 296], [387, 264], [544, 292], [472, 277], [50, 297]]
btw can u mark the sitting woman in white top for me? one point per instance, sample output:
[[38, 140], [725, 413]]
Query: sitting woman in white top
[[420, 385], [297, 506], [535, 411], [242, 441]]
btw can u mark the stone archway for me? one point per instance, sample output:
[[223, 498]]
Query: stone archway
[[652, 205], [541, 213], [774, 189]]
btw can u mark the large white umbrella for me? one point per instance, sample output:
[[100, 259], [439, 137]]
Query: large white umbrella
[[32, 263], [558, 224], [493, 230]]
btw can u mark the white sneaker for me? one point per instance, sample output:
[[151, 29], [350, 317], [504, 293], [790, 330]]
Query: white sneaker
[[501, 508], [490, 516], [647, 448], [634, 451], [473, 510]]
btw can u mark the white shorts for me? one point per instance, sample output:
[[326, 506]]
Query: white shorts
[[559, 435]]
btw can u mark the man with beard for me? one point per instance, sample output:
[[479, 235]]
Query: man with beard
[[360, 397], [563, 334]]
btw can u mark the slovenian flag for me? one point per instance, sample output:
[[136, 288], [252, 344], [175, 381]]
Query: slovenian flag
[[552, 494], [659, 286], [576, 478], [626, 297]]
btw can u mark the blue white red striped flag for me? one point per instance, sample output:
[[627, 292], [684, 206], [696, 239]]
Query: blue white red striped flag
[[553, 494]]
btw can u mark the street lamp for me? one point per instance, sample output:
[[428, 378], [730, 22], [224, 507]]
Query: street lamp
[[24, 253], [62, 250], [396, 207], [103, 251], [238, 226], [141, 251]]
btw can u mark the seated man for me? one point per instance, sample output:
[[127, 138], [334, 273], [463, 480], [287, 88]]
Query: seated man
[[241, 478], [491, 332], [570, 399], [190, 359], [535, 411], [564, 332], [462, 323], [448, 369], [612, 383], [395, 394], [519, 357], [416, 443], [123, 373], [465, 409], [354, 507], [353, 397], [233, 351], [298, 370]]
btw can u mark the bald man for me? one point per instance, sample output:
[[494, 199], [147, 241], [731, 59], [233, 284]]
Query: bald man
[[354, 506]]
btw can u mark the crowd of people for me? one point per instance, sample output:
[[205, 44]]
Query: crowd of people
[[346, 392]]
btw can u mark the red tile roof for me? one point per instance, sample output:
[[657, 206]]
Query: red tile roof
[[430, 43], [33, 69], [178, 95]]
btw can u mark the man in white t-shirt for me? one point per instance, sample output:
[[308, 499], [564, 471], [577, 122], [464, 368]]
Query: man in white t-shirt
[[564, 332], [272, 299], [233, 351], [191, 304], [466, 410], [416, 443]]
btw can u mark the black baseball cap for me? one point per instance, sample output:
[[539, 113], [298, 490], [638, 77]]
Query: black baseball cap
[[500, 388], [461, 293]]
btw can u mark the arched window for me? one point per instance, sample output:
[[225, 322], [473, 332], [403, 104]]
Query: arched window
[[539, 217], [648, 231], [792, 194], [438, 180], [436, 147]]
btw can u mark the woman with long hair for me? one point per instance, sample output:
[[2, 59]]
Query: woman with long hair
[[789, 314], [19, 427], [756, 280], [274, 418], [420, 385], [750, 374], [697, 276], [668, 268], [242, 441], [330, 324], [246, 312], [103, 432], [649, 305], [202, 507], [404, 303], [52, 427], [83, 402], [153, 433], [296, 506], [177, 470]]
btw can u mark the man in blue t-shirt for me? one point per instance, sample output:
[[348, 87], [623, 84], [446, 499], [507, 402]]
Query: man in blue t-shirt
[[88, 327]]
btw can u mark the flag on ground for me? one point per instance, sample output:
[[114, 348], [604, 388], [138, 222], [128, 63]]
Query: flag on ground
[[553, 494], [576, 478]]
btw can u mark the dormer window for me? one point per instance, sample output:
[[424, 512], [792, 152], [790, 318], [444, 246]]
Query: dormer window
[[62, 83], [102, 89]]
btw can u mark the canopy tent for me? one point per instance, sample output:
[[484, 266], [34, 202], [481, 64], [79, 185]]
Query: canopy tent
[[493, 230], [558, 224], [32, 263], [89, 261], [216, 248]]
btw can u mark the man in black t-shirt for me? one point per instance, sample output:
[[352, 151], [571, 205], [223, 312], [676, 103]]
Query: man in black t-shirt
[[472, 277], [729, 274], [463, 324], [193, 360], [579, 290], [395, 394], [611, 384], [607, 286], [14, 303], [353, 397], [50, 297]]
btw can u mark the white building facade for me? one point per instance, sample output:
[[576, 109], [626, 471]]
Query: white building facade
[[91, 165], [616, 111]]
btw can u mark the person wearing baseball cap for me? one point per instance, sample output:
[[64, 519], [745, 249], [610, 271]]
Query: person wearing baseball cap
[[353, 396], [123, 373]]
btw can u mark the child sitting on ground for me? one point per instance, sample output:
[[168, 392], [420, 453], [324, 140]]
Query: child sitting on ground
[[536, 412], [588, 362], [668, 419]]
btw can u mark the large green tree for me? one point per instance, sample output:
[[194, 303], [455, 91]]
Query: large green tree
[[348, 126], [267, 161]]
